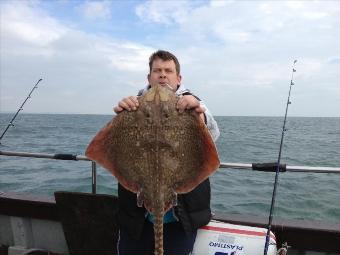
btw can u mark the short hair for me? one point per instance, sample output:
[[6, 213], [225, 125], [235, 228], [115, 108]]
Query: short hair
[[165, 56]]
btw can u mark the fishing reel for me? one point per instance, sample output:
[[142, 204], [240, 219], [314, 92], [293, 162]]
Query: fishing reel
[[283, 250]]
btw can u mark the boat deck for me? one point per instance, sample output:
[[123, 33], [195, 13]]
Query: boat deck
[[69, 226]]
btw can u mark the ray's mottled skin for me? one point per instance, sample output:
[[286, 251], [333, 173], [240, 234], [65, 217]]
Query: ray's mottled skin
[[156, 152]]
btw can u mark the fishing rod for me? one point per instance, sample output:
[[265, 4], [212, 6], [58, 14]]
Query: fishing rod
[[20, 109], [278, 164]]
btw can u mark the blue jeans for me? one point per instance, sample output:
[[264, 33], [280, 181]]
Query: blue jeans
[[176, 242]]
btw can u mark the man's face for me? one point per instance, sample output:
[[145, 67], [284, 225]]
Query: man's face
[[164, 73]]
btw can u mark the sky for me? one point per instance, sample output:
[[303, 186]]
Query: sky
[[237, 56]]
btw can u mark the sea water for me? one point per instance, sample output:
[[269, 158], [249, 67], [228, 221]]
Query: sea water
[[308, 141]]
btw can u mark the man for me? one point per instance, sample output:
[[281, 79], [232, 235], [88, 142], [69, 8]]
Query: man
[[193, 209]]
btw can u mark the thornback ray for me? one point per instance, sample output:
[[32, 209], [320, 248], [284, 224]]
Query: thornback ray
[[156, 152]]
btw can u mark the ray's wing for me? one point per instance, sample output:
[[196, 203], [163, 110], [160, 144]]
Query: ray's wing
[[114, 149], [197, 154]]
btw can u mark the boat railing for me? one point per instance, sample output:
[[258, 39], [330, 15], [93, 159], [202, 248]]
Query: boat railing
[[268, 167], [58, 156]]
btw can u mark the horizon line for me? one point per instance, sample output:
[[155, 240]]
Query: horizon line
[[77, 113]]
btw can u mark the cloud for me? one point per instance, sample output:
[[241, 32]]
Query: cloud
[[36, 31], [334, 60], [34, 27], [233, 53], [309, 67], [93, 10], [219, 3], [125, 56], [245, 21], [164, 12], [77, 68]]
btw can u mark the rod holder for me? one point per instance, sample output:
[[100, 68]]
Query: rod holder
[[94, 177]]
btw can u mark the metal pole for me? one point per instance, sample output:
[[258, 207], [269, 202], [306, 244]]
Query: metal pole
[[242, 166], [94, 177], [310, 169], [313, 169], [44, 155]]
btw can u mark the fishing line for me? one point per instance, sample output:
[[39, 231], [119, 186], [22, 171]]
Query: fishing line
[[278, 164], [10, 124]]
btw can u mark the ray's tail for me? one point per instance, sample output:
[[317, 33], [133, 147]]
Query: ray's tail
[[158, 231]]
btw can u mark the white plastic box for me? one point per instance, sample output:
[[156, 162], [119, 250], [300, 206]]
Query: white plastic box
[[219, 238]]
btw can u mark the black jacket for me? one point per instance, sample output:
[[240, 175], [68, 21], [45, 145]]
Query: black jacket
[[193, 210]]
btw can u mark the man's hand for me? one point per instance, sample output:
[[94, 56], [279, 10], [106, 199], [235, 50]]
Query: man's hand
[[184, 103], [188, 102], [128, 103]]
